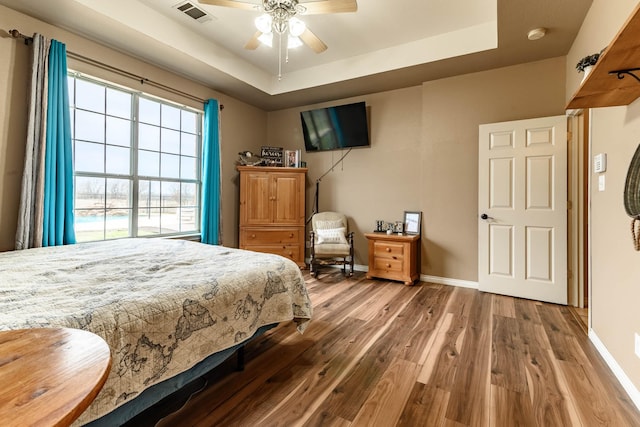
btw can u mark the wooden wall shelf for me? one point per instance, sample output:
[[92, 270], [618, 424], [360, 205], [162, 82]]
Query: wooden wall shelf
[[603, 87]]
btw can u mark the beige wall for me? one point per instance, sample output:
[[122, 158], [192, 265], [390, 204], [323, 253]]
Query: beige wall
[[423, 156], [14, 70], [615, 265]]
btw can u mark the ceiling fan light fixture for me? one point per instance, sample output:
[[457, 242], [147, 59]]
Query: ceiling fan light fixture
[[263, 23], [266, 39], [296, 27], [293, 42]]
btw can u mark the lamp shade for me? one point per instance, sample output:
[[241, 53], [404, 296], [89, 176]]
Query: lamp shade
[[296, 27], [263, 23], [293, 42], [266, 38]]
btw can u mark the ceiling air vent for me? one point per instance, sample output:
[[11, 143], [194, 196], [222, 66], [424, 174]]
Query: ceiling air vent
[[193, 12]]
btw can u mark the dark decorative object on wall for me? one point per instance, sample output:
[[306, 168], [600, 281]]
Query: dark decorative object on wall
[[632, 197], [587, 61]]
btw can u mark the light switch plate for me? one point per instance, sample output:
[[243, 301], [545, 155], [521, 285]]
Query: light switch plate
[[600, 163], [601, 183]]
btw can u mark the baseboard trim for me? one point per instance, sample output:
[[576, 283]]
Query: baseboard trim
[[617, 370], [451, 282]]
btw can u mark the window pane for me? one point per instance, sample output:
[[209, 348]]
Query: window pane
[[89, 126], [188, 219], [148, 221], [189, 146], [118, 194], [89, 157], [170, 141], [170, 194], [170, 220], [148, 163], [189, 167], [118, 159], [89, 224], [149, 194], [89, 192], [117, 223], [170, 166], [89, 96], [72, 122], [149, 137], [189, 121], [118, 103], [149, 111], [118, 132], [189, 196], [72, 89], [170, 117]]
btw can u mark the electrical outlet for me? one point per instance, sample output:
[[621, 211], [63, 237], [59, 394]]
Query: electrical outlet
[[637, 344]]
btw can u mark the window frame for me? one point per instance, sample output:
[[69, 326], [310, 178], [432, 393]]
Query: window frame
[[133, 176]]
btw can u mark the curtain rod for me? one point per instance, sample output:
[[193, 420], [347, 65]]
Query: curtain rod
[[143, 80]]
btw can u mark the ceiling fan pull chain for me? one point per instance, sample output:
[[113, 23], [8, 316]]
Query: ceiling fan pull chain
[[279, 56]]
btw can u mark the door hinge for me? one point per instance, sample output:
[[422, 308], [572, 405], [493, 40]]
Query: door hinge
[[569, 205]]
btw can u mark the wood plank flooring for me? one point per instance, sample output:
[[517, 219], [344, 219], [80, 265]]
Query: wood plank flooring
[[379, 353]]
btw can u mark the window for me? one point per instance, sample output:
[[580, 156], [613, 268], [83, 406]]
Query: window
[[136, 162]]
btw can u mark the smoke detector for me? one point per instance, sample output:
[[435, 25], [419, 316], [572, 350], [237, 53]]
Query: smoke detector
[[537, 33]]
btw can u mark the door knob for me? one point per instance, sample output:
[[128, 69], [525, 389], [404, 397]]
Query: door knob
[[485, 216]]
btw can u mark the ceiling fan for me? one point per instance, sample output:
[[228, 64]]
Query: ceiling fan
[[280, 17]]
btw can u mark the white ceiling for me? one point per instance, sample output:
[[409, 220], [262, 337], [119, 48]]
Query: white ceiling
[[384, 45]]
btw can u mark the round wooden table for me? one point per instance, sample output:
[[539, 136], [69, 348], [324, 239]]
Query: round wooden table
[[49, 376]]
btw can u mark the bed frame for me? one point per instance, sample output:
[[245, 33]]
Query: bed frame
[[157, 392]]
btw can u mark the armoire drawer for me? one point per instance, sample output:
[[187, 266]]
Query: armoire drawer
[[265, 237]]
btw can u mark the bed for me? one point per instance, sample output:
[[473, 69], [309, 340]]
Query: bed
[[169, 309]]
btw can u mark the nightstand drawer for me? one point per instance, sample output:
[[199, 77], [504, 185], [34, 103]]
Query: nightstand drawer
[[388, 265], [388, 249]]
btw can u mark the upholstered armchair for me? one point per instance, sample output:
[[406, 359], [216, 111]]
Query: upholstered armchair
[[331, 243]]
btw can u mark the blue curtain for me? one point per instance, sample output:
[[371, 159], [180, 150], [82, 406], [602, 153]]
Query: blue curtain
[[58, 180], [210, 217]]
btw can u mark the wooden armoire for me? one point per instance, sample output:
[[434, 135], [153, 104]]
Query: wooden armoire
[[272, 209]]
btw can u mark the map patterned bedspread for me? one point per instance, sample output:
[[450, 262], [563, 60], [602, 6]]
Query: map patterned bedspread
[[162, 305]]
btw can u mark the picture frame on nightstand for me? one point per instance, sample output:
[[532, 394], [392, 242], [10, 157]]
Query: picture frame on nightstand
[[412, 222]]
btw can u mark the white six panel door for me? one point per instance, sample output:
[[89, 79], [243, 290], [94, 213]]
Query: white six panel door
[[522, 230]]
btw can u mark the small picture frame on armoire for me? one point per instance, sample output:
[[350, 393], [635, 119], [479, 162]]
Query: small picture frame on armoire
[[292, 158]]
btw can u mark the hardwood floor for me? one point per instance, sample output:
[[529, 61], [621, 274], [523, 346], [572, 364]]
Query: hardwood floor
[[379, 353]]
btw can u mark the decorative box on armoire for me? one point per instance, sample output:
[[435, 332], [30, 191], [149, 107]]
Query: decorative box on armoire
[[272, 209]]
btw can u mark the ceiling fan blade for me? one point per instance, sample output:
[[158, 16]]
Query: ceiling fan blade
[[231, 3], [313, 41], [329, 6], [253, 43]]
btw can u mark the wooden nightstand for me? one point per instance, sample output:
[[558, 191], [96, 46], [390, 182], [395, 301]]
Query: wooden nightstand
[[394, 257]]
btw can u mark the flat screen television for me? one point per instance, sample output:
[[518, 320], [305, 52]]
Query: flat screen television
[[335, 128]]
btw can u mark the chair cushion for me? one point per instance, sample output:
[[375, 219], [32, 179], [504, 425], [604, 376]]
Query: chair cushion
[[332, 250], [331, 235]]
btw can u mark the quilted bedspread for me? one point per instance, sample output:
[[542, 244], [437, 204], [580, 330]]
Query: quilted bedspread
[[161, 305]]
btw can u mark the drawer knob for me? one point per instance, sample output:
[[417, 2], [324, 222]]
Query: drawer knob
[[291, 235], [388, 249], [388, 265], [253, 236]]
